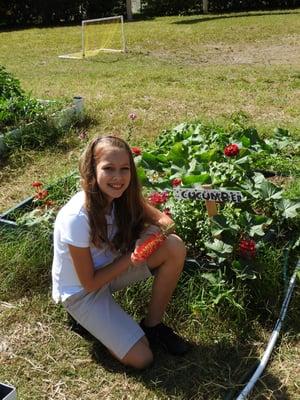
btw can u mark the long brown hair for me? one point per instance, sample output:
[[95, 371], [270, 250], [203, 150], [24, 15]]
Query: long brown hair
[[129, 209]]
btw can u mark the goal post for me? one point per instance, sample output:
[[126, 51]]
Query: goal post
[[100, 34]]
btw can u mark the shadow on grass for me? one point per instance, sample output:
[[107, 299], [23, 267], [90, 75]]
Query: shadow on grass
[[215, 371], [206, 372], [212, 17]]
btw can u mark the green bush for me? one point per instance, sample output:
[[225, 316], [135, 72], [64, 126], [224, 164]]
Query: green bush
[[9, 85], [175, 7], [15, 105], [53, 12]]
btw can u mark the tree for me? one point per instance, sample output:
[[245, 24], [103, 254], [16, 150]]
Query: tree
[[129, 9]]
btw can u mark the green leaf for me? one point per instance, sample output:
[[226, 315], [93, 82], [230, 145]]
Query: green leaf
[[210, 277], [289, 208], [142, 176], [267, 189], [219, 246], [220, 221], [257, 230], [162, 158], [195, 167], [177, 171], [246, 142], [191, 179], [178, 154], [209, 155], [242, 160], [220, 225]]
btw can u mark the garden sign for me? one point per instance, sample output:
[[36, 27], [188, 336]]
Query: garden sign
[[211, 196]]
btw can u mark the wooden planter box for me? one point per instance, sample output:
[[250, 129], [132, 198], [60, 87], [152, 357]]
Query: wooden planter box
[[7, 392]]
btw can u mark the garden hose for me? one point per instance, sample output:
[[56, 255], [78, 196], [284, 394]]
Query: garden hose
[[242, 381], [274, 336], [286, 252]]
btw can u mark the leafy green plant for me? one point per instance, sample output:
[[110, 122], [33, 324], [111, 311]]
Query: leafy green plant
[[16, 107], [195, 154], [9, 85], [191, 155]]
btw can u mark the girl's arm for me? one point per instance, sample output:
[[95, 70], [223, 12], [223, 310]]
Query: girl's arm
[[90, 278]]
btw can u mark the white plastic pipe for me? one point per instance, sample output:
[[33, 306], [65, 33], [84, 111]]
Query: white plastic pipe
[[274, 336]]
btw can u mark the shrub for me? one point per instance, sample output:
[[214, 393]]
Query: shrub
[[175, 7], [15, 106]]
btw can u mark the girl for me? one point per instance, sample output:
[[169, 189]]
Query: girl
[[94, 237]]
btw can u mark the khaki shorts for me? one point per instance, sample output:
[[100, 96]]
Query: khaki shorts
[[99, 313]]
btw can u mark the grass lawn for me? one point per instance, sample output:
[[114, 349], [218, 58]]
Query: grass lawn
[[177, 69]]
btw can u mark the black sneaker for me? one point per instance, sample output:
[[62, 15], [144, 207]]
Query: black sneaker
[[163, 335]]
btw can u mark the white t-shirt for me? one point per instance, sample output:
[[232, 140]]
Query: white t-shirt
[[72, 227]]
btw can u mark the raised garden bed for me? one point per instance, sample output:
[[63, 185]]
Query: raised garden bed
[[192, 155], [59, 120], [237, 251], [43, 205]]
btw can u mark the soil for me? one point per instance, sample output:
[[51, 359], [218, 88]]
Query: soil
[[285, 52], [260, 53]]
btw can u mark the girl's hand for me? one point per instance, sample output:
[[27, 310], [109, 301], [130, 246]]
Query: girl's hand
[[134, 262], [168, 228]]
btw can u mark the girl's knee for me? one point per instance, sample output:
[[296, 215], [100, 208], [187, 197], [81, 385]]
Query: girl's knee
[[143, 361], [176, 247], [139, 356]]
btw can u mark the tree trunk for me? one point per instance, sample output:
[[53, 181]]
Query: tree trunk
[[205, 6], [129, 9]]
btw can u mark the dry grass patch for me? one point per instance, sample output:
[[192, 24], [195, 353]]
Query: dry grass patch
[[44, 359]]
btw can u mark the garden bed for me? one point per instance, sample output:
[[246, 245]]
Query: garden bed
[[189, 156], [28, 122], [41, 206], [27, 134], [236, 269]]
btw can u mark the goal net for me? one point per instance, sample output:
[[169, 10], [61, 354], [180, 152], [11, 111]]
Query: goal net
[[101, 34]]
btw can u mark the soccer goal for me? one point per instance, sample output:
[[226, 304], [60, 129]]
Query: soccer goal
[[101, 34]]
